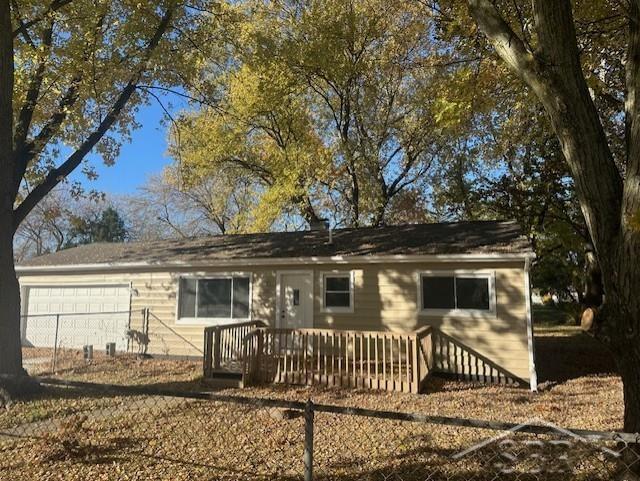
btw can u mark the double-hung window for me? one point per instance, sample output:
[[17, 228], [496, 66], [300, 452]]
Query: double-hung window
[[337, 292], [217, 298], [463, 293]]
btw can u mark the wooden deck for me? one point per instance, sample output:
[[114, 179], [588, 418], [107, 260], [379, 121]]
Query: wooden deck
[[223, 347], [358, 359]]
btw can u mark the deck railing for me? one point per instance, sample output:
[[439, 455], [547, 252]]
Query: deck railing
[[223, 346], [360, 359], [454, 358]]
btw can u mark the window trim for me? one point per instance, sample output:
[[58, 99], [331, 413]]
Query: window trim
[[212, 321], [477, 274], [337, 310]]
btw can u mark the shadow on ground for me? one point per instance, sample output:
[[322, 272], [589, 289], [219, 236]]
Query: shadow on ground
[[564, 355]]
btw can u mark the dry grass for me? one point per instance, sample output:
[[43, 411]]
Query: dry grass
[[129, 370], [155, 438]]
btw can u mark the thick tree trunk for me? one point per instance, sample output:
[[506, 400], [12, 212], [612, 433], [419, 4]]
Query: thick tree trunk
[[618, 323], [628, 363], [10, 349], [626, 352], [13, 167], [609, 202]]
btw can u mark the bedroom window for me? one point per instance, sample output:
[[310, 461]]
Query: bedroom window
[[457, 293], [225, 297], [337, 295]]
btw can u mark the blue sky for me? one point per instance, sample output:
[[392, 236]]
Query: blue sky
[[146, 154]]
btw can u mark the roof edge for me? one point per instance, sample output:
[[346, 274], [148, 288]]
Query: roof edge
[[266, 261]]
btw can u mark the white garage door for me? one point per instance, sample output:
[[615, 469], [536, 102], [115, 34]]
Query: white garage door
[[92, 315]]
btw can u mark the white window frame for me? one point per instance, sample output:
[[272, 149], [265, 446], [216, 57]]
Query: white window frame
[[323, 284], [212, 321], [477, 274]]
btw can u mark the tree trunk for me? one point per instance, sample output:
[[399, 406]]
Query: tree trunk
[[618, 324], [307, 210], [626, 352], [609, 202], [10, 349], [380, 213], [628, 363]]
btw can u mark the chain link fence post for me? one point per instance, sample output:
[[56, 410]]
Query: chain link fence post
[[145, 329], [54, 361], [308, 440]]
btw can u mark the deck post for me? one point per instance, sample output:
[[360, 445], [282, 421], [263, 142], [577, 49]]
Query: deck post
[[207, 362], [308, 440], [260, 359], [217, 348], [415, 388]]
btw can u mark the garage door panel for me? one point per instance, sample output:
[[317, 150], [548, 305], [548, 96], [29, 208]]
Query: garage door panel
[[88, 315], [41, 336], [80, 307]]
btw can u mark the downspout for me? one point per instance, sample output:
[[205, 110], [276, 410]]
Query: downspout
[[533, 377]]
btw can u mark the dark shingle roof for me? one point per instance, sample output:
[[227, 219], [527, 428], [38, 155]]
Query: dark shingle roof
[[417, 239]]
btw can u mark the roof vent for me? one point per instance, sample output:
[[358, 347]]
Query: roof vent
[[319, 224]]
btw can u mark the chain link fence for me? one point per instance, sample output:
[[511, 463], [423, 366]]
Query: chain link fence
[[112, 411], [66, 342], [79, 430]]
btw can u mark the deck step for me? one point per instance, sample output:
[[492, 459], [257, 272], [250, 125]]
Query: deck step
[[226, 374], [223, 379]]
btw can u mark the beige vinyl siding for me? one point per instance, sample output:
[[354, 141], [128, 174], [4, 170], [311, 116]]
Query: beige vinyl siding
[[385, 298], [158, 291]]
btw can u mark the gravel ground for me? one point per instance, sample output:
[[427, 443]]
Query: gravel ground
[[183, 440]]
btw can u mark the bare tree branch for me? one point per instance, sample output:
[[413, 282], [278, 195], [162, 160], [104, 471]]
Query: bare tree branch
[[201, 101]]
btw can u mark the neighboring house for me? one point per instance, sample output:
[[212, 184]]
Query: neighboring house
[[470, 280]]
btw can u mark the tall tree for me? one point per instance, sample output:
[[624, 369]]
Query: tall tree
[[606, 173], [72, 74], [330, 105]]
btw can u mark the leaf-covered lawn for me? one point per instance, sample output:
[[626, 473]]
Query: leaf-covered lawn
[[76, 436]]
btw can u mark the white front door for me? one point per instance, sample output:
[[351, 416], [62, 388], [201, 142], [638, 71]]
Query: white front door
[[296, 300]]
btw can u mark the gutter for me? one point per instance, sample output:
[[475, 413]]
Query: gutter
[[279, 261]]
